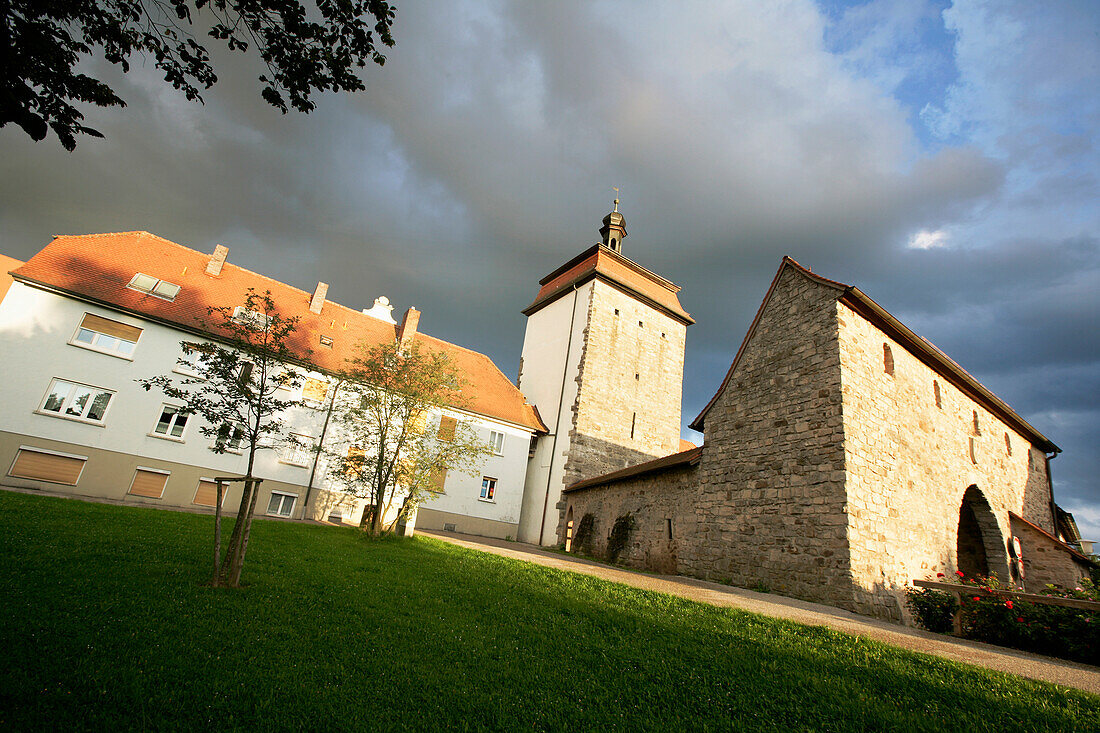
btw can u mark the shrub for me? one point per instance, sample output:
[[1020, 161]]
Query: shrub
[[620, 534], [934, 610], [582, 538]]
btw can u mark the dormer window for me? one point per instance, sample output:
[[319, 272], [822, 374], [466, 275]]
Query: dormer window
[[153, 286], [252, 318]]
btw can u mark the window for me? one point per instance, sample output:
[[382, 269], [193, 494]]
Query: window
[[355, 463], [244, 375], [447, 428], [326, 341], [496, 440], [977, 425], [76, 401], [207, 492], [171, 423], [973, 450], [633, 420], [1008, 444], [298, 451], [887, 359], [247, 317], [153, 286], [488, 488], [437, 479], [47, 465], [107, 336], [314, 390], [149, 482], [281, 504], [230, 437], [936, 392]]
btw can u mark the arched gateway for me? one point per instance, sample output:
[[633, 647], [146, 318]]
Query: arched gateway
[[980, 547]]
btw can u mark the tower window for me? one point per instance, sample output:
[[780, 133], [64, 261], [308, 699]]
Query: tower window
[[887, 359], [633, 420], [637, 376], [640, 324], [936, 392], [668, 526], [977, 427], [1008, 444]]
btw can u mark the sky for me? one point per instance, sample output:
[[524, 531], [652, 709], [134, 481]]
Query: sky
[[943, 157]]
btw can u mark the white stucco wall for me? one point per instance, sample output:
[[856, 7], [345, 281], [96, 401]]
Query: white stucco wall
[[550, 358]]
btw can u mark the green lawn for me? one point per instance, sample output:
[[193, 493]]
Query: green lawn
[[104, 624]]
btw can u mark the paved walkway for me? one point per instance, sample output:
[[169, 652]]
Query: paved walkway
[[1067, 674]]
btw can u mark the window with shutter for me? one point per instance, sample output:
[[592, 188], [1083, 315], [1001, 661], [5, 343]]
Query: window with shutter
[[314, 390], [149, 483], [207, 493], [447, 428], [107, 336], [57, 468]]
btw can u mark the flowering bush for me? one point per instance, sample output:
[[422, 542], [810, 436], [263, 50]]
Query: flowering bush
[[1060, 631]]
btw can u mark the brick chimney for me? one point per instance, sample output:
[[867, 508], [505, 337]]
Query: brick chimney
[[214, 266], [406, 332], [318, 301]]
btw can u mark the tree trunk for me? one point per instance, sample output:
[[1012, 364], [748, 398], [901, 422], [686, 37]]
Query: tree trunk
[[238, 565], [234, 542]]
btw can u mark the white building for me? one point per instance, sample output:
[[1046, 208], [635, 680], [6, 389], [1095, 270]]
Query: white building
[[88, 315]]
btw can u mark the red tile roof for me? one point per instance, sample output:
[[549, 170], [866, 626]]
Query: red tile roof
[[931, 356], [676, 460], [7, 264], [97, 267], [602, 262]]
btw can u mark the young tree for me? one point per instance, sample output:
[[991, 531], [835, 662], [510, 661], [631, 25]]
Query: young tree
[[305, 47], [385, 411], [234, 392]]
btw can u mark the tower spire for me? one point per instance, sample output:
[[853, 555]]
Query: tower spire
[[613, 230]]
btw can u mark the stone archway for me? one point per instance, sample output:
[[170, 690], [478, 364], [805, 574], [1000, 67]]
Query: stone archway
[[979, 548]]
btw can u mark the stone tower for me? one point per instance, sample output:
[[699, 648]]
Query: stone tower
[[603, 361]]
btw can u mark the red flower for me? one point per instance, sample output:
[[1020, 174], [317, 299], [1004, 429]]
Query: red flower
[[1020, 619], [960, 573], [1008, 605], [939, 575], [976, 598]]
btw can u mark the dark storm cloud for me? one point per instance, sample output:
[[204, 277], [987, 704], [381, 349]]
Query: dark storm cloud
[[483, 154]]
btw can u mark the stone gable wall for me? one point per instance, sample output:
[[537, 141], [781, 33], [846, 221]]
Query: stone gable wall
[[770, 505], [909, 464], [652, 501], [611, 399], [1044, 561]]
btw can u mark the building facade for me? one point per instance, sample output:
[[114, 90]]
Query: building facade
[[88, 315], [844, 457]]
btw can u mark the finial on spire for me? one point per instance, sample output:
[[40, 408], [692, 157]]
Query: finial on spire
[[616, 197]]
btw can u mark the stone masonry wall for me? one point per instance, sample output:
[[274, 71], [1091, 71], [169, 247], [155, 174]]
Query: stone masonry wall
[[1045, 561], [653, 500], [909, 464], [630, 381], [771, 509]]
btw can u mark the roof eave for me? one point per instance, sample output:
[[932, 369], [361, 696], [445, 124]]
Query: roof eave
[[682, 316]]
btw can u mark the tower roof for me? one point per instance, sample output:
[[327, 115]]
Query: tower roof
[[603, 263]]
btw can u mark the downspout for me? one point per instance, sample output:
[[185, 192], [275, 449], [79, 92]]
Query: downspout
[[1050, 488], [320, 445], [557, 418]]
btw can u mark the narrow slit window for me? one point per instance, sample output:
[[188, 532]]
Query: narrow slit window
[[887, 359], [936, 393], [633, 420], [668, 526], [977, 425], [1008, 444]]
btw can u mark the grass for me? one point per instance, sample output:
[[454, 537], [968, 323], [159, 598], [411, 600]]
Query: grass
[[105, 624]]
